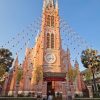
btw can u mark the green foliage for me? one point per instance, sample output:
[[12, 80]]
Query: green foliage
[[19, 75], [72, 73], [38, 74], [2, 71], [5, 62], [5, 59], [90, 58], [88, 74], [75, 73]]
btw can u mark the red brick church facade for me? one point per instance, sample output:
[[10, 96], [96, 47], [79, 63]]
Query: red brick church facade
[[49, 56]]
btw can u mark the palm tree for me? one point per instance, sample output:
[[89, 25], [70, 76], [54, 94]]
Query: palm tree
[[91, 59]]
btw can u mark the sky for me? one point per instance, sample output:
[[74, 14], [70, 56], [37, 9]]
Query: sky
[[82, 15]]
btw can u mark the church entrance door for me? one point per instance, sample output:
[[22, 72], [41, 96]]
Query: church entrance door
[[49, 88]]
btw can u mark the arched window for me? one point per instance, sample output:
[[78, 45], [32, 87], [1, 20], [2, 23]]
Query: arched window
[[52, 40], [48, 40], [52, 20], [48, 20]]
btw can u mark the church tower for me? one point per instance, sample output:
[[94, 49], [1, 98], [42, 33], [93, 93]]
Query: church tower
[[51, 36], [47, 50]]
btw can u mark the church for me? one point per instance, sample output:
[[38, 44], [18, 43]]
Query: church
[[47, 64]]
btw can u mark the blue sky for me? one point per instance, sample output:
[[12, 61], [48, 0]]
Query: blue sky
[[82, 15]]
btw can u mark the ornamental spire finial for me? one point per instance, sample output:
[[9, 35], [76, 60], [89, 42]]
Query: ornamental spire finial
[[56, 4], [48, 2]]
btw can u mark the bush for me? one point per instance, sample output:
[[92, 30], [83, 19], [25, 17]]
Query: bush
[[96, 95]]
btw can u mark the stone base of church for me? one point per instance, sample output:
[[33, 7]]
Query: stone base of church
[[45, 88], [52, 87]]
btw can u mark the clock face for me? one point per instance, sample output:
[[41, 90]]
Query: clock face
[[50, 58]]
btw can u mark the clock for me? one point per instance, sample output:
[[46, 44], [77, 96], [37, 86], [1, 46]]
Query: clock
[[50, 58]]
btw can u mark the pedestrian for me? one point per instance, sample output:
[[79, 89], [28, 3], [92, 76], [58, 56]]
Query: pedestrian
[[0, 90], [50, 97]]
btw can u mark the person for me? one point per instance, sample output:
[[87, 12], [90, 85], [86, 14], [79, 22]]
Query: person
[[69, 97], [50, 97], [59, 96], [0, 90]]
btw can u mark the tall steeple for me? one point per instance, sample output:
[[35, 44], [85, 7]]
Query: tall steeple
[[50, 33], [50, 3], [56, 4]]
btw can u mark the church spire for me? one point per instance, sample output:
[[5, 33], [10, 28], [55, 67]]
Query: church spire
[[47, 3], [76, 64], [50, 2], [44, 4], [56, 4]]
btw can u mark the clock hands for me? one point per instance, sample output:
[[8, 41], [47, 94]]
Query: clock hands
[[50, 58]]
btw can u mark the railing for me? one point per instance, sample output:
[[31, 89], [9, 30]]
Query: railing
[[17, 98]]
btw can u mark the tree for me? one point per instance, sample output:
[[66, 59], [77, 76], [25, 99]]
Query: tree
[[88, 74], [71, 74], [91, 59], [5, 61], [38, 74], [19, 77]]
